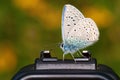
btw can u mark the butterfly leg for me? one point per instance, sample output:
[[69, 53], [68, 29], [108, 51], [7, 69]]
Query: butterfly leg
[[73, 57], [63, 56], [80, 54]]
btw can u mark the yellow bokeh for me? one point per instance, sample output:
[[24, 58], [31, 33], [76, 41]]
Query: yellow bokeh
[[8, 58], [42, 10], [26, 4], [102, 16]]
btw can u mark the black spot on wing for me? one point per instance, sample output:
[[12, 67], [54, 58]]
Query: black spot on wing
[[68, 24], [87, 38], [74, 23], [74, 29], [71, 17], [73, 20]]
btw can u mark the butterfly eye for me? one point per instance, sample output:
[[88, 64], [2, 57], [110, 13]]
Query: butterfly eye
[[61, 44]]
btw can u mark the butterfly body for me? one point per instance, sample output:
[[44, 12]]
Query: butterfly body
[[78, 32]]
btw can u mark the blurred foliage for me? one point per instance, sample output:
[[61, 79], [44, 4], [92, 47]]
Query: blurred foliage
[[29, 26]]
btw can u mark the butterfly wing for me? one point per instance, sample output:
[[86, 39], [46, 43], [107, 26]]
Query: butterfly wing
[[70, 17], [83, 34]]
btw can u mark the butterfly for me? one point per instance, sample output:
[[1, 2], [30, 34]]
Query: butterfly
[[78, 32]]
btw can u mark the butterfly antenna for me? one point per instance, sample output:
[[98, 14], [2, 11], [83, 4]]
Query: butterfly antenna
[[58, 44]]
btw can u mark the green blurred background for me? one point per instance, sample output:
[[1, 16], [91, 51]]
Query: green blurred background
[[29, 26]]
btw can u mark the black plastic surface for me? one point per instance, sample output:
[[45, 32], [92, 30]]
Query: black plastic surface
[[101, 73], [47, 68]]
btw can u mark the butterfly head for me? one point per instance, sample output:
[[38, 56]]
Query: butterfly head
[[62, 46]]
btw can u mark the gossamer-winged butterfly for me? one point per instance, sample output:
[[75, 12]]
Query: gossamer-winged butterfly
[[78, 32]]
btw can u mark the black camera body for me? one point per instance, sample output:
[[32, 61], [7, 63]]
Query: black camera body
[[49, 68]]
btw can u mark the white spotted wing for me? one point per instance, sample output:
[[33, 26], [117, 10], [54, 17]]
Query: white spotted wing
[[77, 31], [83, 34], [70, 18]]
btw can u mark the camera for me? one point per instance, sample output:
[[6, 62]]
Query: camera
[[51, 68]]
